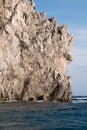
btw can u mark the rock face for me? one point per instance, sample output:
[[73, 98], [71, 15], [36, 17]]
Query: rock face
[[34, 54]]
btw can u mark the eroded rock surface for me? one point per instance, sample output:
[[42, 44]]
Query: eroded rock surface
[[34, 54]]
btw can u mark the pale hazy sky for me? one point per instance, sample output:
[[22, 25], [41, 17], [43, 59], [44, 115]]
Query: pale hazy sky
[[74, 14]]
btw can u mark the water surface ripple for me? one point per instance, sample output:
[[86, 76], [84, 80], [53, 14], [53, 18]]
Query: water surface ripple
[[43, 116]]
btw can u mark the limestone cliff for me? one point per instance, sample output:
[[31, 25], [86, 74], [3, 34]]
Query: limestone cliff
[[34, 54]]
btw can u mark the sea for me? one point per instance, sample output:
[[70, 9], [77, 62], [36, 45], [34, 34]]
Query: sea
[[44, 116]]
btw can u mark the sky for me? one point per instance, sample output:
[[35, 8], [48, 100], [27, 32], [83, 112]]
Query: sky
[[74, 14]]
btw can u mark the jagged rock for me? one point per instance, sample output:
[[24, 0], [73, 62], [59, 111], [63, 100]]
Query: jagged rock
[[34, 54]]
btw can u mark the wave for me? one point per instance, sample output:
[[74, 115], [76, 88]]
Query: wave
[[80, 99]]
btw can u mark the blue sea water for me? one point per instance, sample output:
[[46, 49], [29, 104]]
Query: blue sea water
[[44, 116]]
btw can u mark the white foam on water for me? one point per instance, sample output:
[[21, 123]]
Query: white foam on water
[[80, 99]]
